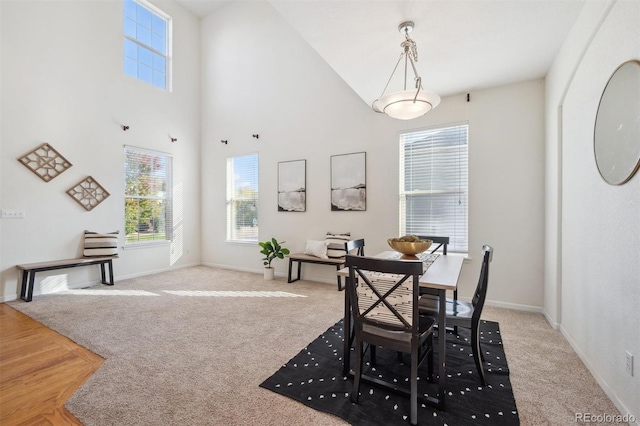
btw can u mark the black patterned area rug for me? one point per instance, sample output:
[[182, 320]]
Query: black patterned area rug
[[314, 377]]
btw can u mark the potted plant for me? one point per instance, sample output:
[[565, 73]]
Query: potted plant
[[272, 249]]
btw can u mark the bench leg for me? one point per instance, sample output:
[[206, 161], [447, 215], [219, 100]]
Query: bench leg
[[289, 280], [23, 290], [32, 278], [338, 267], [110, 272], [103, 275]]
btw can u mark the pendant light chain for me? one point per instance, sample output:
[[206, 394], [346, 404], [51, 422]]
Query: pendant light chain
[[406, 104]]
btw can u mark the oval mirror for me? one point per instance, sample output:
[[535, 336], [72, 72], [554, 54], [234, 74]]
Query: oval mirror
[[616, 138]]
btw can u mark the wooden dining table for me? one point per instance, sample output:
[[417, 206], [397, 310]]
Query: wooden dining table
[[442, 275]]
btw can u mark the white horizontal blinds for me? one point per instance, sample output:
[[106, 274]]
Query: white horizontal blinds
[[242, 198], [434, 180], [148, 195]]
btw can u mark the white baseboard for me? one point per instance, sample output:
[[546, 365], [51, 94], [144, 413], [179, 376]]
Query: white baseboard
[[551, 322], [603, 383], [70, 286], [154, 271], [8, 298], [515, 306], [507, 305], [278, 274], [238, 268]]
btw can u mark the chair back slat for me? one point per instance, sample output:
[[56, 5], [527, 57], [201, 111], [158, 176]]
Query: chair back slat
[[384, 292], [357, 245], [440, 241]]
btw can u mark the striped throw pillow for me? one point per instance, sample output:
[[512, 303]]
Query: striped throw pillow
[[336, 242], [96, 244]]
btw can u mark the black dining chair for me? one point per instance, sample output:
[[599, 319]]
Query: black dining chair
[[439, 243], [442, 243], [357, 245], [465, 314], [384, 302]]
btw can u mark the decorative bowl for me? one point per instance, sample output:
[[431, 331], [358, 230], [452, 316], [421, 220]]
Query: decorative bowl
[[409, 249]]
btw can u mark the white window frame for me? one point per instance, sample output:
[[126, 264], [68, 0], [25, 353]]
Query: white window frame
[[232, 235], [452, 161], [168, 39], [167, 197]]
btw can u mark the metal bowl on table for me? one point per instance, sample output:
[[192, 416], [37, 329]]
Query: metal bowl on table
[[409, 246]]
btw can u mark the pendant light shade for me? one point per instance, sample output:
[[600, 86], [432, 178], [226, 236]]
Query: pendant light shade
[[406, 104]]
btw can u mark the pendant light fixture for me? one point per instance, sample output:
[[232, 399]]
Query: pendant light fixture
[[407, 103]]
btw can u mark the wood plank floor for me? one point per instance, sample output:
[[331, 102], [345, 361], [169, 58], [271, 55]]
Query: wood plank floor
[[39, 371]]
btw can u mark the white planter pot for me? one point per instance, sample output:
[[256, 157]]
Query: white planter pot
[[268, 273]]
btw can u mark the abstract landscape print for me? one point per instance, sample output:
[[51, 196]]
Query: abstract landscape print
[[292, 186], [348, 182]]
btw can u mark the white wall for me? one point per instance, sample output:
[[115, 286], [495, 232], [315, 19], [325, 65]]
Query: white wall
[[259, 76], [600, 229], [63, 83], [557, 83]]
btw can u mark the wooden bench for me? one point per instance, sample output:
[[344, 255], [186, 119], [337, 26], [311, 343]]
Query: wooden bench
[[29, 271], [338, 262], [301, 258]]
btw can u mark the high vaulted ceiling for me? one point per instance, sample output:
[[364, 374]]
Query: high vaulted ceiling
[[463, 45]]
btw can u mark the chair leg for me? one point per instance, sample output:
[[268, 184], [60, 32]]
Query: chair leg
[[372, 349], [414, 387], [430, 358], [475, 347], [455, 297], [358, 373]]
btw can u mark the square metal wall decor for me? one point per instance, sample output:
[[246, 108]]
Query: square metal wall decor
[[88, 193], [45, 162], [349, 182]]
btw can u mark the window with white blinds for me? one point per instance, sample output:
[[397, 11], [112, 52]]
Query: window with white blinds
[[242, 198], [148, 204], [434, 180], [147, 43]]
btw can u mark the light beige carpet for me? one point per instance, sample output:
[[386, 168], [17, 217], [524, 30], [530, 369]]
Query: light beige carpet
[[190, 347]]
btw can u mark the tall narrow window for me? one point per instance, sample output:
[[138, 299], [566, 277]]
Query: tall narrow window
[[434, 180], [242, 198], [147, 43], [148, 203]]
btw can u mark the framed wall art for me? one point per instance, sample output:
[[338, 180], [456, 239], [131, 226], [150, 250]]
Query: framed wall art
[[292, 186], [348, 182]]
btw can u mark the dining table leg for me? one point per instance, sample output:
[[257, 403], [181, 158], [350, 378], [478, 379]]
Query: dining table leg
[[442, 338]]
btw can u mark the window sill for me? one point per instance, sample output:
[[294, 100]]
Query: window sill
[[136, 246], [241, 242], [465, 256]]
